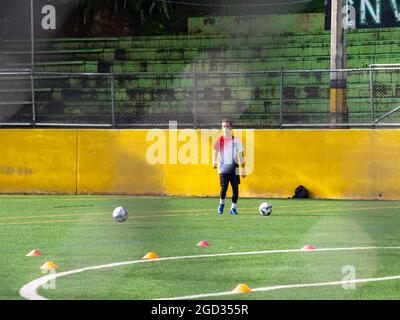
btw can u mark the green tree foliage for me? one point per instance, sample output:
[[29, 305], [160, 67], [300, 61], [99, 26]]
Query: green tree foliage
[[144, 9], [170, 16], [140, 8]]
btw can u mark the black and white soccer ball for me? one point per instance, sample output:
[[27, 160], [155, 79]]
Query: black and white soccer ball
[[265, 209], [120, 214]]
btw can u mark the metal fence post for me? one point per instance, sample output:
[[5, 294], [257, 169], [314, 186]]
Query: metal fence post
[[371, 88], [281, 99], [33, 66], [33, 100], [112, 97], [194, 99], [32, 38]]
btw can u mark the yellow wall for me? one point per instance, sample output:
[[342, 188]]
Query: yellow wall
[[358, 164], [38, 161], [341, 164], [113, 161]]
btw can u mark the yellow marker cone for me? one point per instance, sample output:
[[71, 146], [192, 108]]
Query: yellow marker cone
[[242, 288], [49, 266], [150, 255]]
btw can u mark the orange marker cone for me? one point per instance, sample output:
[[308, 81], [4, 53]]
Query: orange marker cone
[[203, 243], [34, 253], [150, 255], [49, 266], [308, 247], [242, 288]]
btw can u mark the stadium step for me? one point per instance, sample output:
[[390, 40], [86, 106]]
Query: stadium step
[[224, 81], [63, 66], [260, 51], [251, 64], [8, 57], [290, 93], [197, 41]]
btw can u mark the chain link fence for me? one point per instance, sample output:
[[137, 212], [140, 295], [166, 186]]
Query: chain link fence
[[259, 99], [16, 97], [154, 99], [284, 98], [73, 99]]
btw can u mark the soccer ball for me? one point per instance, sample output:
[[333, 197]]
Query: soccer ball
[[265, 209], [120, 214]]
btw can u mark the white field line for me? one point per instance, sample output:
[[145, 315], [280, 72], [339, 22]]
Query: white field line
[[29, 290], [290, 286]]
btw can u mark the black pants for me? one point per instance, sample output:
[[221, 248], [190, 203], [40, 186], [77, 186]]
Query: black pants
[[224, 180]]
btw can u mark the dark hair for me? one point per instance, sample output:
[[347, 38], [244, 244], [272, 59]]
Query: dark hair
[[227, 120]]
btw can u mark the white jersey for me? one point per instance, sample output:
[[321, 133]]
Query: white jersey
[[228, 151]]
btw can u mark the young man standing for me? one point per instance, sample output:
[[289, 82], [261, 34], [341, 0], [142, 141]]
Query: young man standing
[[227, 150]]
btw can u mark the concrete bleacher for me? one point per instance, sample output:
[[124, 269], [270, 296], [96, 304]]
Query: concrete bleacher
[[253, 96], [185, 49]]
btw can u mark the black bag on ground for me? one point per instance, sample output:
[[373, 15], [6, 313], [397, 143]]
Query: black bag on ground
[[300, 193]]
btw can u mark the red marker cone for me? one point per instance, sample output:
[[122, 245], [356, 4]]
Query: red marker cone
[[203, 243], [308, 247], [34, 253]]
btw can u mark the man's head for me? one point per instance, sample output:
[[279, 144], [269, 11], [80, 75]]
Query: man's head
[[226, 126]]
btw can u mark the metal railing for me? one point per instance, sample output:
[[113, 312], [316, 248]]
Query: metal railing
[[258, 99]]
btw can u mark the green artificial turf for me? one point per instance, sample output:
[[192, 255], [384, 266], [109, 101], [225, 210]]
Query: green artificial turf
[[78, 231]]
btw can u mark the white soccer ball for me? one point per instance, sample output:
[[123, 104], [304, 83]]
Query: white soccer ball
[[120, 214], [265, 209]]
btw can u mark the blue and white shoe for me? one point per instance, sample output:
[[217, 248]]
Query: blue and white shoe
[[234, 212], [221, 208]]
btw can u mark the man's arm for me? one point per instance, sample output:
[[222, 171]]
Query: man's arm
[[215, 158], [242, 163]]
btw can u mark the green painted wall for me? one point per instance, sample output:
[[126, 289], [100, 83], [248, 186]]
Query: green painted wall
[[256, 25]]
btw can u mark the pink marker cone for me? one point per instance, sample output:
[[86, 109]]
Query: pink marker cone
[[308, 247], [203, 243]]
